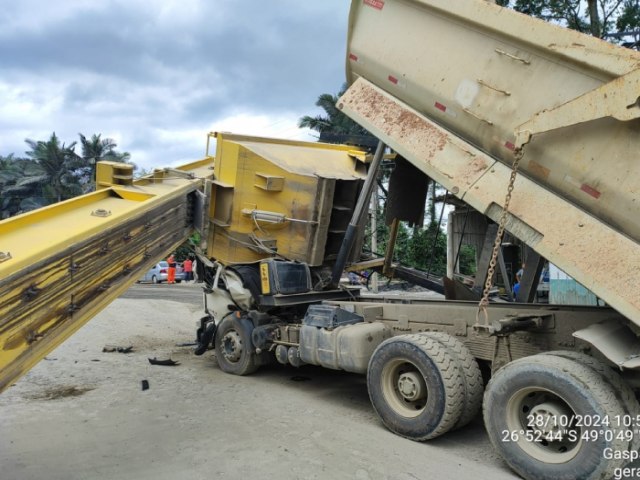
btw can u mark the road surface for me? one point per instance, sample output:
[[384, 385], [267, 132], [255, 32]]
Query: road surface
[[82, 413]]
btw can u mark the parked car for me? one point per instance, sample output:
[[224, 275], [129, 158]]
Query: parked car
[[158, 273]]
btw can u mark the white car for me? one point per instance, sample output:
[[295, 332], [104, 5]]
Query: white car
[[158, 273]]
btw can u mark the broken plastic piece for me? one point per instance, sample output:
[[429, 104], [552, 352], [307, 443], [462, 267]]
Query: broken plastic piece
[[166, 363], [109, 349]]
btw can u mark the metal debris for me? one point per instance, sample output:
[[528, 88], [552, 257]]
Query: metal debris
[[110, 349], [166, 363]]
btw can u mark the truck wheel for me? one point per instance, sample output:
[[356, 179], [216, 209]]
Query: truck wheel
[[470, 372], [415, 386], [550, 417], [234, 351], [623, 391]]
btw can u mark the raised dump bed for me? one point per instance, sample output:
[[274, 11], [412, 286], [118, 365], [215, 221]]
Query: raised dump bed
[[461, 88]]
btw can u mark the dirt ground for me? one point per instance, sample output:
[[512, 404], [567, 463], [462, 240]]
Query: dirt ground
[[82, 413]]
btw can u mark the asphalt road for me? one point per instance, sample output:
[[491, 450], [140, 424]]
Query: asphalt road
[[190, 293]]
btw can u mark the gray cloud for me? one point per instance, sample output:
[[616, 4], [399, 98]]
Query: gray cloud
[[153, 74]]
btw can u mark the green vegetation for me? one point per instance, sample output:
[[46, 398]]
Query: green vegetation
[[51, 171], [615, 20], [188, 248], [423, 247], [333, 120]]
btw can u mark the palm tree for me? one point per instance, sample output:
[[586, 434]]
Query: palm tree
[[97, 149], [57, 163], [334, 121], [21, 186], [8, 170], [9, 174]]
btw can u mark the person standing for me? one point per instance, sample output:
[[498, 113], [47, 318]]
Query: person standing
[[171, 272], [187, 268], [194, 270], [516, 286], [519, 274]]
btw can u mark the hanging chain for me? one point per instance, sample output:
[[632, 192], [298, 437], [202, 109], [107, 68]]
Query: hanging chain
[[484, 302]]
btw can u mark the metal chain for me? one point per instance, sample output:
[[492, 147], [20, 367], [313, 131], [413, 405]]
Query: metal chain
[[484, 301]]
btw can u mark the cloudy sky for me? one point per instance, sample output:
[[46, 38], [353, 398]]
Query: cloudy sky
[[157, 75]]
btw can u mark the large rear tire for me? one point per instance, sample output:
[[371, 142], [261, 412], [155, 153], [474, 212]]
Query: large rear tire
[[233, 347], [415, 386], [470, 372], [623, 391], [552, 418]]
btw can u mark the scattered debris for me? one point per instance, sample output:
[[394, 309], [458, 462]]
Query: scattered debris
[[109, 349], [61, 392], [402, 286], [95, 359], [166, 363], [145, 385]]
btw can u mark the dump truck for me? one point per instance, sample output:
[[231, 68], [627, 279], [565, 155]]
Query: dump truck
[[531, 125]]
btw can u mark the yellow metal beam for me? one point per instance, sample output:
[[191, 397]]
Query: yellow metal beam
[[62, 264]]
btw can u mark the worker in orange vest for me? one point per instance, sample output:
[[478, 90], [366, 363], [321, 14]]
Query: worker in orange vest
[[171, 272], [187, 268]]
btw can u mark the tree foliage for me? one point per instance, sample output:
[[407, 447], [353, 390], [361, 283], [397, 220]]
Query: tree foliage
[[57, 163], [333, 120], [423, 247], [418, 247], [21, 186], [617, 20], [51, 171], [97, 149]]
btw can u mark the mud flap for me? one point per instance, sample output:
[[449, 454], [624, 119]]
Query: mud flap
[[614, 340], [206, 334]]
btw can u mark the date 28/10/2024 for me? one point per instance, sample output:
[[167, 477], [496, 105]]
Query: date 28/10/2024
[[575, 428]]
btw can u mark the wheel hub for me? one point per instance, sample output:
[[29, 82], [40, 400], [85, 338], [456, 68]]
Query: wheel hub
[[550, 418], [411, 386], [232, 344]]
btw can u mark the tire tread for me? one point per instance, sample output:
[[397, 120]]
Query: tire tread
[[248, 364], [589, 379], [623, 391], [470, 371], [451, 378]]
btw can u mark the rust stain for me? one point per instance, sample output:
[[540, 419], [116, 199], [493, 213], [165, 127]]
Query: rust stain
[[592, 252], [478, 165], [398, 123], [538, 170], [424, 140]]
